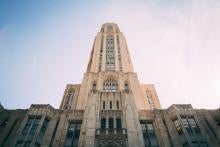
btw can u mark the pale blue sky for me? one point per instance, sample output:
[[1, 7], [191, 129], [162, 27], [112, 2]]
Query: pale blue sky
[[174, 44]]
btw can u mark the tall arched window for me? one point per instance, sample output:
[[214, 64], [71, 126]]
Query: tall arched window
[[110, 123], [126, 86], [118, 123], [110, 85], [103, 123], [110, 53], [94, 85], [117, 104], [103, 105], [69, 100], [110, 104]]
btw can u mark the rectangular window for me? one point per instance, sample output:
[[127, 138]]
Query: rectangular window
[[73, 134], [103, 123], [178, 126], [150, 100], [28, 125], [29, 129], [19, 144], [100, 57], [186, 124], [35, 125], [195, 144], [110, 57], [193, 125], [44, 127], [27, 143], [186, 144], [37, 144], [149, 135], [117, 104], [110, 123], [118, 123], [69, 100], [119, 54], [110, 104], [203, 144], [103, 105]]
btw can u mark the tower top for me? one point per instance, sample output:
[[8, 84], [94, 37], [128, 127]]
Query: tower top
[[110, 28], [110, 51]]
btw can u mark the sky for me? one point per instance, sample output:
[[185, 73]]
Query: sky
[[174, 44]]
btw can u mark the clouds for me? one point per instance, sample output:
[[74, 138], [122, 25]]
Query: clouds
[[173, 44]]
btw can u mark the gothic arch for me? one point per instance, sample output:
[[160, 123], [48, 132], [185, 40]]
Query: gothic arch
[[110, 84]]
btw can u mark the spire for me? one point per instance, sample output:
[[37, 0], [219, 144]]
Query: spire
[[110, 52]]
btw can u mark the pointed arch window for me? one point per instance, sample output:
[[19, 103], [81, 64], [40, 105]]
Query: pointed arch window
[[110, 54], [103, 123], [110, 123], [103, 105], [117, 103], [126, 86], [94, 85], [69, 100], [110, 104], [73, 133], [110, 85], [118, 123]]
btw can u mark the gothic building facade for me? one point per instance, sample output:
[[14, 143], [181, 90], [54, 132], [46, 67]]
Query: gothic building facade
[[110, 108]]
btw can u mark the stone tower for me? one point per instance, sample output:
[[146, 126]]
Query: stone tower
[[110, 108], [110, 93]]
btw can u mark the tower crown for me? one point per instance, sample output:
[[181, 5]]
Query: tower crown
[[110, 52], [110, 28]]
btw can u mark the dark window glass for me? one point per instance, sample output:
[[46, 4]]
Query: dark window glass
[[34, 126], [30, 129], [150, 128], [110, 104], [19, 144], [117, 104], [110, 123], [44, 127], [203, 144], [126, 87], [185, 145], [150, 139], [37, 144], [71, 130], [28, 125], [103, 104], [178, 126], [195, 144], [103, 123], [193, 125], [186, 124], [118, 123], [110, 55], [27, 144], [73, 134], [94, 86]]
